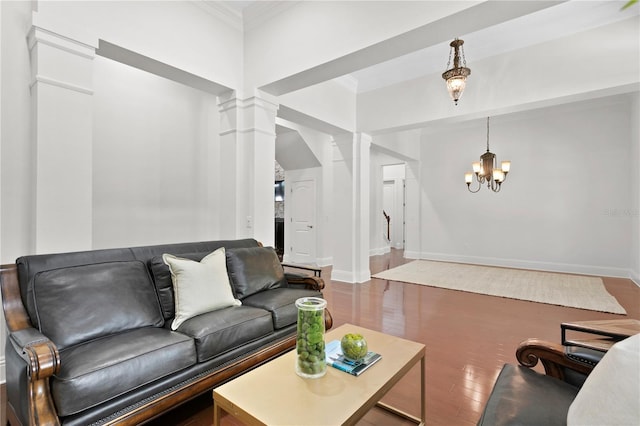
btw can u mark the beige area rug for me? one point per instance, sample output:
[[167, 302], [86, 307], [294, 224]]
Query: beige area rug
[[575, 291]]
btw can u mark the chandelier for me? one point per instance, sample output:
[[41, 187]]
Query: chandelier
[[456, 77], [487, 171]]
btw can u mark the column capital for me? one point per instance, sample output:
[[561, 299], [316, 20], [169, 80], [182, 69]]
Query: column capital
[[228, 102], [245, 116], [59, 61], [40, 35]]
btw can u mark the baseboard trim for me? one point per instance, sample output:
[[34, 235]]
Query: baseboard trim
[[324, 261], [601, 271], [411, 254], [350, 277], [379, 251]]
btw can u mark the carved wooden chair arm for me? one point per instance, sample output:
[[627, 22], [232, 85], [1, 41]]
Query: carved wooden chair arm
[[312, 283], [42, 361], [328, 319], [40, 353], [553, 357]]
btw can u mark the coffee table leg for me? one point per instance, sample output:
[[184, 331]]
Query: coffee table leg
[[423, 404], [423, 410], [217, 413]]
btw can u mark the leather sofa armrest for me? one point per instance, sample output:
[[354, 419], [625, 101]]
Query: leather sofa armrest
[[27, 337], [38, 351], [309, 282], [42, 361], [553, 356]]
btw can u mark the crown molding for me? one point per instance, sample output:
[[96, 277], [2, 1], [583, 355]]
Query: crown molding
[[250, 17], [260, 12], [222, 11]]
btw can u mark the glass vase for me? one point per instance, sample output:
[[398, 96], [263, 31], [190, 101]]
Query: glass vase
[[310, 354]]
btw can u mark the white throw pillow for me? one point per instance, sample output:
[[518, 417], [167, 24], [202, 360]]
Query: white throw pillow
[[611, 394], [199, 287]]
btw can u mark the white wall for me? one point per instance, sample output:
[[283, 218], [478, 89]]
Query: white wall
[[16, 191], [330, 102], [155, 159], [634, 112], [178, 33], [560, 206], [16, 224], [3, 328]]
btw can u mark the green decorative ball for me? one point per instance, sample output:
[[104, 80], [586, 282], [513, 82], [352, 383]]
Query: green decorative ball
[[354, 346]]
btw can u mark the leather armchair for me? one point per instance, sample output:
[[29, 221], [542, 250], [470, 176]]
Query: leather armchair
[[522, 396]]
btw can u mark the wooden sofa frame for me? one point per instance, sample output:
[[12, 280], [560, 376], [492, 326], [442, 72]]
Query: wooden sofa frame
[[43, 362], [553, 357]]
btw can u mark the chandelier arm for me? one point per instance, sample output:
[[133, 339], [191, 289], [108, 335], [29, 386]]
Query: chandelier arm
[[488, 171], [473, 192]]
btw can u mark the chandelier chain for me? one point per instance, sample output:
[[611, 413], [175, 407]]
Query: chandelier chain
[[464, 58], [487, 134]]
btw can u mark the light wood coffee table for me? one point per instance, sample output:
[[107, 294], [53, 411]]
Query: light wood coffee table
[[273, 394]]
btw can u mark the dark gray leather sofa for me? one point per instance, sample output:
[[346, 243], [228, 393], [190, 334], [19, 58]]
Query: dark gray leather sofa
[[90, 340]]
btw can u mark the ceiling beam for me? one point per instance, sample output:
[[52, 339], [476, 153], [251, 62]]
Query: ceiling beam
[[153, 66], [475, 18]]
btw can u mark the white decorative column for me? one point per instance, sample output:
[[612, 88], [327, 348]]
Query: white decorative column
[[350, 217], [247, 152], [62, 126]]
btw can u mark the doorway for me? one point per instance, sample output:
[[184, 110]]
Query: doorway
[[302, 230], [393, 199]]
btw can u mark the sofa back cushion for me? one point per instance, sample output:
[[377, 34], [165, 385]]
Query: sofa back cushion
[[81, 303], [162, 275], [199, 287], [253, 270]]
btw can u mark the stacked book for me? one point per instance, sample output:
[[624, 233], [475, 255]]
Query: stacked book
[[336, 359]]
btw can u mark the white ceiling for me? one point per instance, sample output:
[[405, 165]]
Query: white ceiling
[[548, 24], [561, 20]]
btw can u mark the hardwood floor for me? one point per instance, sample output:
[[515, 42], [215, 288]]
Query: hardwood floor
[[468, 338]]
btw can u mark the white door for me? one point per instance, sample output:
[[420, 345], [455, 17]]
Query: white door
[[303, 220]]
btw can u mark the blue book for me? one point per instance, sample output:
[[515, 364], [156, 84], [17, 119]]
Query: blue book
[[336, 359]]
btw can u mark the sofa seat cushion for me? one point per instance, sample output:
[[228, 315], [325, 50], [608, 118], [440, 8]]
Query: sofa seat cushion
[[95, 372], [87, 302], [522, 396], [223, 330], [281, 303]]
